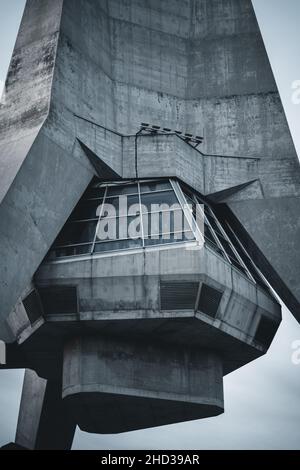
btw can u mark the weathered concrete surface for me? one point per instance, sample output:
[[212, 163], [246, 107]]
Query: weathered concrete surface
[[34, 169], [29, 417], [123, 296], [274, 224], [116, 386], [26, 100], [194, 65], [82, 67], [215, 75], [44, 422]]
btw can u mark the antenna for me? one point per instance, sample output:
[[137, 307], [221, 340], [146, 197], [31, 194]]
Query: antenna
[[152, 129]]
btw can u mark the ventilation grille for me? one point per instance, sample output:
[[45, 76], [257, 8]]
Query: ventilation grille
[[178, 295], [209, 301], [59, 299], [265, 331], [33, 306]]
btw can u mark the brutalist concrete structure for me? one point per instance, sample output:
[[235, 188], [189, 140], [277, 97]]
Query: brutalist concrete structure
[[133, 333]]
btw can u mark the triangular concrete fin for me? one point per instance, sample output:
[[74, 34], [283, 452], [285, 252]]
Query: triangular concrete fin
[[222, 196], [103, 171]]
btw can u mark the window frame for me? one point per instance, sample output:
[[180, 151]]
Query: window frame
[[105, 197]]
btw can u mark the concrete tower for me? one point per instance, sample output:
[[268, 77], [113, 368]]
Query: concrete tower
[[165, 102]]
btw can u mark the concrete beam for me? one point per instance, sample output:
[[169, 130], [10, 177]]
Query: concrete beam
[[45, 424]]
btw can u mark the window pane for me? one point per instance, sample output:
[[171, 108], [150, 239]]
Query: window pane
[[208, 234], [200, 201], [213, 223], [210, 240], [189, 197], [117, 245], [170, 238], [228, 249], [120, 205], [134, 227], [94, 192], [77, 232], [132, 204], [164, 222], [122, 189], [214, 247], [87, 210], [191, 203], [167, 198], [155, 186], [119, 227], [73, 250]]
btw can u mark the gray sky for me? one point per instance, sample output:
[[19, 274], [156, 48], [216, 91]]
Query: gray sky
[[262, 409]]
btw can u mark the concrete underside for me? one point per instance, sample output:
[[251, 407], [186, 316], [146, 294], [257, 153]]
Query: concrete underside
[[105, 413], [44, 352]]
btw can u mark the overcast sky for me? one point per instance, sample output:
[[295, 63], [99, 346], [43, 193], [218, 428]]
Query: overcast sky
[[262, 400]]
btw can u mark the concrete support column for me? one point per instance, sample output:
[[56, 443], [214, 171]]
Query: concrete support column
[[44, 422], [112, 385]]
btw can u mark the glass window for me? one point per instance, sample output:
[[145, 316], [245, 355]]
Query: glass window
[[208, 234], [113, 228], [120, 205], [150, 186], [87, 210], [157, 201], [118, 245], [248, 260], [164, 222], [94, 192], [77, 232], [213, 222], [162, 239], [119, 189], [73, 250], [215, 247], [214, 236], [108, 218], [227, 247], [191, 203]]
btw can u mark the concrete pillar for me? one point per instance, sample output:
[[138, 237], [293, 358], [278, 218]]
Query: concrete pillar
[[43, 421], [112, 385]]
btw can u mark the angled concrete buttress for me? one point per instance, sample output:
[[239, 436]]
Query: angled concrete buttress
[[83, 77], [45, 424]]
